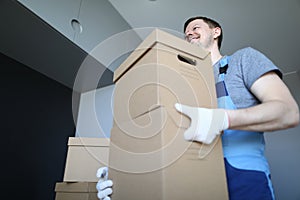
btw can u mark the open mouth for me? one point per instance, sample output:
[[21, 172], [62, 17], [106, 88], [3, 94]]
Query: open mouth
[[194, 39]]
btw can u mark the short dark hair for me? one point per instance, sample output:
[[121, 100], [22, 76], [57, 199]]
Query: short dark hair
[[210, 22]]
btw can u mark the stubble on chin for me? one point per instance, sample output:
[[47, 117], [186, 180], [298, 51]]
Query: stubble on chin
[[197, 43]]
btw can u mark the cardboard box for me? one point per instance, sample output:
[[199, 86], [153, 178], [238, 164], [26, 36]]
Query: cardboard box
[[163, 70], [84, 157], [76, 191], [149, 158]]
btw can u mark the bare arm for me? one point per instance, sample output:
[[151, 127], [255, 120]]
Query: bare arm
[[277, 111]]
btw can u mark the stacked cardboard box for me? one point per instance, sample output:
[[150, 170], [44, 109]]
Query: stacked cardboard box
[[76, 191], [84, 157], [149, 158]]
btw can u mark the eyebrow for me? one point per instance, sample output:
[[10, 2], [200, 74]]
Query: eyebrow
[[193, 27]]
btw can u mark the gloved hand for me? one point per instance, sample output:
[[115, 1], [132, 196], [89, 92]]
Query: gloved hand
[[206, 123], [104, 186]]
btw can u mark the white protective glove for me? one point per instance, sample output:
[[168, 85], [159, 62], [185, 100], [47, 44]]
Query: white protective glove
[[104, 186], [206, 123]]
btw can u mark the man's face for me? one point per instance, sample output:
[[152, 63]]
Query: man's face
[[198, 32]]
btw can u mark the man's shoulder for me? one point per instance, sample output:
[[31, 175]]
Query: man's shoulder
[[246, 54], [245, 50]]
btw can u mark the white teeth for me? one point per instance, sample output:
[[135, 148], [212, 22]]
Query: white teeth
[[193, 38]]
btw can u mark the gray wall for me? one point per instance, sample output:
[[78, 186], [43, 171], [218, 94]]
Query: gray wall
[[282, 150], [36, 121], [282, 146]]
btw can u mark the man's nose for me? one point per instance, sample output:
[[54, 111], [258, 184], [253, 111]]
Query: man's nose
[[189, 32], [188, 35]]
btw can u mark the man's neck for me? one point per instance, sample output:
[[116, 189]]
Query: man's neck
[[215, 56]]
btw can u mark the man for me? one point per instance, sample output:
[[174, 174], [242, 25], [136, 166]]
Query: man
[[252, 99]]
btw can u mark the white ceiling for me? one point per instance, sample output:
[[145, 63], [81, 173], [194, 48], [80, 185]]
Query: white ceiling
[[38, 33], [271, 26]]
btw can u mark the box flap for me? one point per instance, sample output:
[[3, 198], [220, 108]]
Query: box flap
[[181, 121], [159, 36], [83, 141], [76, 187], [153, 141], [155, 117]]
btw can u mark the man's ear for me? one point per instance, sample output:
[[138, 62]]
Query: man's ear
[[217, 32]]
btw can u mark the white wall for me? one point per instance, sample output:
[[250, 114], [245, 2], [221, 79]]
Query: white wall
[[95, 116], [282, 151]]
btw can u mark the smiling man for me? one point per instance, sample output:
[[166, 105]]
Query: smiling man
[[252, 99]]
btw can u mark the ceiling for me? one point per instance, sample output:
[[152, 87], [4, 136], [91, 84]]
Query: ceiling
[[271, 26]]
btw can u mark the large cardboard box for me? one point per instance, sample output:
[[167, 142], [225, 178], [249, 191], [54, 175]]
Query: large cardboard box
[[76, 191], [84, 157], [149, 158]]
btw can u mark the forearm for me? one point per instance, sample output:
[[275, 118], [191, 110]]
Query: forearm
[[269, 116]]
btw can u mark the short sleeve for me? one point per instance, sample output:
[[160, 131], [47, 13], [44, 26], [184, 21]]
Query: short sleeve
[[254, 64]]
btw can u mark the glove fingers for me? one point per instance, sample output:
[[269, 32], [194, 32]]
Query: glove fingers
[[219, 122], [102, 172], [191, 112], [187, 110], [104, 184], [191, 132], [199, 129], [205, 123], [104, 193]]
